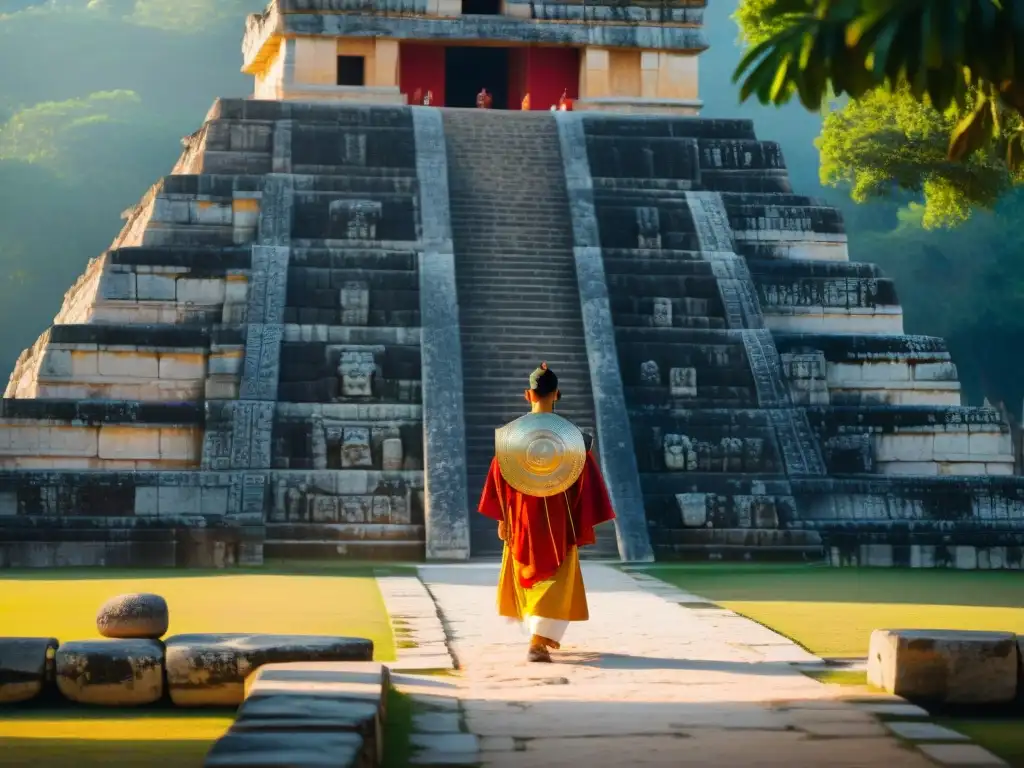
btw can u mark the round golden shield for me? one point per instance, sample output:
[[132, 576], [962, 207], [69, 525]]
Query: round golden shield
[[540, 454]]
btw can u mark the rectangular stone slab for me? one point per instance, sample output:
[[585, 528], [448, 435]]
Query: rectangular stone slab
[[286, 712], [954, 667], [361, 681], [211, 669], [241, 749], [24, 664]]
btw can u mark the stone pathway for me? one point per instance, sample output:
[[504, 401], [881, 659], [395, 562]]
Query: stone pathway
[[645, 682]]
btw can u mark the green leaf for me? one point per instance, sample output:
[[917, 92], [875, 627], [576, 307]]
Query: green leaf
[[972, 131], [1015, 152]]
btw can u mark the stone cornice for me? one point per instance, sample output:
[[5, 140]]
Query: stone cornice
[[261, 29]]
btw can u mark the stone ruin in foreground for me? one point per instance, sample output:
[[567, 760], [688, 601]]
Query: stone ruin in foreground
[[303, 338]]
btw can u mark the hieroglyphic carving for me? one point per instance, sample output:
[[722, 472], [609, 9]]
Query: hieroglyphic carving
[[276, 207], [766, 368], [797, 445]]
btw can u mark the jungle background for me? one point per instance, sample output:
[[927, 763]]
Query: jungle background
[[97, 94]]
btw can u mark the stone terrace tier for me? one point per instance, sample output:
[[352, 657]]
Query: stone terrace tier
[[767, 379]]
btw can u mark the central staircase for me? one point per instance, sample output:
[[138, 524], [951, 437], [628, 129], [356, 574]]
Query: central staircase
[[516, 277]]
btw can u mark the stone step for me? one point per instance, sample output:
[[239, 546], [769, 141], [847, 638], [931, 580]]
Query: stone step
[[510, 230]]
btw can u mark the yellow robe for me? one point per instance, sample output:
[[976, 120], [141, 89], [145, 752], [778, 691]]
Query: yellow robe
[[562, 597]]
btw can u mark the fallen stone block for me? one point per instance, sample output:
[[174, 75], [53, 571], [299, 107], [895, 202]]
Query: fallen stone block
[[26, 663], [944, 666], [284, 749], [210, 670], [133, 616], [112, 673]]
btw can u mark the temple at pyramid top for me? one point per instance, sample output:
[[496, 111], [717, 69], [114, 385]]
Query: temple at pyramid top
[[526, 54]]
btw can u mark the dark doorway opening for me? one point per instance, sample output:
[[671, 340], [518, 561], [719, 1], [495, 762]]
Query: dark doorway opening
[[482, 7], [351, 70], [467, 70]]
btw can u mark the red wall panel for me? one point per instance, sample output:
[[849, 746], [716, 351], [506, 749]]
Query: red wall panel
[[421, 66], [549, 72]]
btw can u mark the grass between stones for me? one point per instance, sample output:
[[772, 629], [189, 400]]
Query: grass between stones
[[398, 730], [1003, 737], [832, 611], [281, 598], [57, 737]]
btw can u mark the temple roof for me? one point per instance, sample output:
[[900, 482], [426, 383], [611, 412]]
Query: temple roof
[[607, 24]]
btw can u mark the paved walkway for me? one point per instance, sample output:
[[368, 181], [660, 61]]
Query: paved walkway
[[646, 682]]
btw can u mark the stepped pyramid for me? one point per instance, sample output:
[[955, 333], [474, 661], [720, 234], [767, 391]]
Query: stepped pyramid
[[303, 338]]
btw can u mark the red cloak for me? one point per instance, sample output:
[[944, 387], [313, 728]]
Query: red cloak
[[541, 530]]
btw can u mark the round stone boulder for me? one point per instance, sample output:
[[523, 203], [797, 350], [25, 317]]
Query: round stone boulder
[[25, 666], [138, 616], [112, 673]]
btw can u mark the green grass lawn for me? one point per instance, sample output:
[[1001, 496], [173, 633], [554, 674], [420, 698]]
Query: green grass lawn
[[286, 599], [832, 611]]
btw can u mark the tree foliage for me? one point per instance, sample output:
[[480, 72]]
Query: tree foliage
[[886, 141], [48, 133], [758, 20], [946, 53]]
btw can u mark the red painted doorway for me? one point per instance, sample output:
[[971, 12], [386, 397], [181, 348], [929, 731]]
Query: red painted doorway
[[545, 74]]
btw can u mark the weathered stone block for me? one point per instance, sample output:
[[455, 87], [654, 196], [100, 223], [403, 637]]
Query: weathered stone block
[[347, 681], [683, 382], [150, 287], [680, 454], [694, 509], [650, 374], [355, 303], [210, 669], [25, 664], [295, 711], [392, 456], [200, 291], [356, 452], [139, 615], [357, 369], [182, 366], [113, 673], [265, 749], [662, 317], [946, 666], [133, 443], [138, 365], [356, 219]]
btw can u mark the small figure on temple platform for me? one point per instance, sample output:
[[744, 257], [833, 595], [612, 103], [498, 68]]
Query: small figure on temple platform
[[417, 96], [546, 492], [428, 99], [564, 102], [525, 106], [484, 99]]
